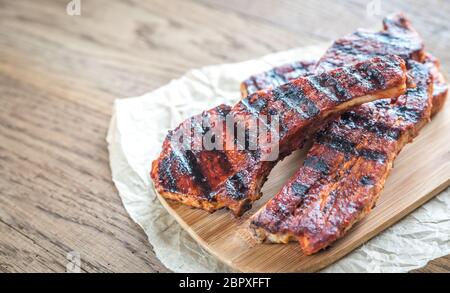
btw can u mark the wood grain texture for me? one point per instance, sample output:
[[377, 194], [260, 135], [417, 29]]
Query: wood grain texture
[[60, 74]]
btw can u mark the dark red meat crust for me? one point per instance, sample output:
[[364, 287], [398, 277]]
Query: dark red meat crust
[[277, 76], [232, 178], [345, 170]]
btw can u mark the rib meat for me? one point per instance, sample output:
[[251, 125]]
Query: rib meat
[[345, 170], [277, 76], [287, 72], [397, 37], [212, 179]]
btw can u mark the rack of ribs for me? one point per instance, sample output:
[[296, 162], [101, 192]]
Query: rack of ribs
[[232, 177], [287, 72], [397, 34], [346, 168]]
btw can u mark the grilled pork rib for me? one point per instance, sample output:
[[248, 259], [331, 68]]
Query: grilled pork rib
[[287, 72], [397, 37], [345, 170], [277, 76], [233, 178]]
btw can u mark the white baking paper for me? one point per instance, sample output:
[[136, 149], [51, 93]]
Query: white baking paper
[[139, 125]]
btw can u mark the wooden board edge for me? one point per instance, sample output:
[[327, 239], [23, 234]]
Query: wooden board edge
[[191, 232], [328, 261]]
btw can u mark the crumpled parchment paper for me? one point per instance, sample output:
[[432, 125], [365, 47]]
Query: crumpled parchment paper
[[139, 125]]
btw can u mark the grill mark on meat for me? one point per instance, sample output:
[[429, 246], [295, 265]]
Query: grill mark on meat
[[372, 155], [347, 147], [256, 107], [358, 79], [295, 99], [386, 40], [299, 116], [299, 190], [336, 142], [196, 172], [302, 67], [382, 104], [166, 174], [317, 163], [236, 185], [181, 161], [366, 180], [330, 86], [355, 121], [277, 76], [409, 114], [372, 74]]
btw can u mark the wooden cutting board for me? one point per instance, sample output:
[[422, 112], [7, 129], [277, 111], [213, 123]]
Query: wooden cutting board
[[421, 171]]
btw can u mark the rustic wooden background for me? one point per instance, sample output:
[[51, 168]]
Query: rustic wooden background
[[60, 74]]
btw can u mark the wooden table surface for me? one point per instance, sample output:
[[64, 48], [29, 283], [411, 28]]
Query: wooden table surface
[[59, 76]]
